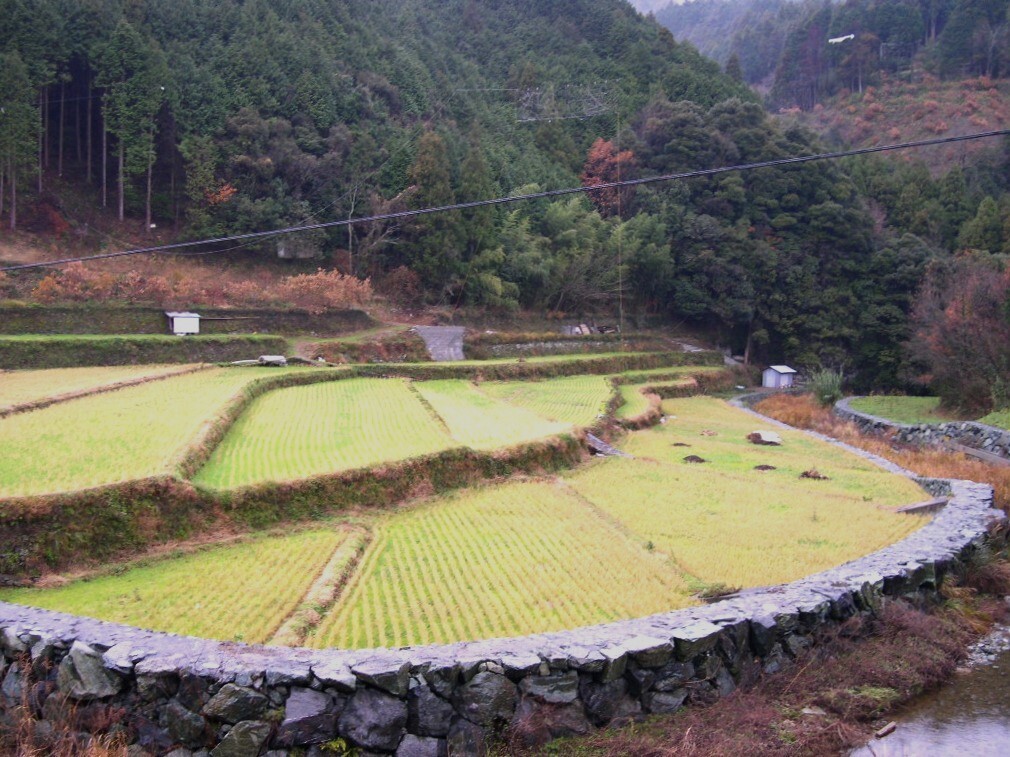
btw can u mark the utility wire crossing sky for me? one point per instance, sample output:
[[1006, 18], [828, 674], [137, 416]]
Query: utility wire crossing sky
[[511, 199]]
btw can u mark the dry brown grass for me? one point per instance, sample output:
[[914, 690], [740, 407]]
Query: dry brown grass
[[803, 412], [68, 731]]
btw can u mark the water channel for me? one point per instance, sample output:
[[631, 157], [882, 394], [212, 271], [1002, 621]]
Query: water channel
[[970, 717]]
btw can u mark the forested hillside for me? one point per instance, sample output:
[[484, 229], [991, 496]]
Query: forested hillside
[[220, 116], [784, 43]]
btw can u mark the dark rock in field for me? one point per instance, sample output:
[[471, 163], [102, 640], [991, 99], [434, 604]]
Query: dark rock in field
[[417, 746], [814, 474], [765, 467], [235, 703], [309, 718], [82, 674], [535, 723], [606, 701], [694, 459], [664, 702], [184, 726], [486, 698], [680, 444], [427, 713], [559, 688], [245, 739], [767, 438], [374, 720]]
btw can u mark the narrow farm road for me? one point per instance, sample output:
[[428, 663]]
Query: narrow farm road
[[444, 343]]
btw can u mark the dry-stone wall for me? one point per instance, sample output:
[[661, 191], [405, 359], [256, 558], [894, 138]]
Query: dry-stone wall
[[179, 695], [968, 433]]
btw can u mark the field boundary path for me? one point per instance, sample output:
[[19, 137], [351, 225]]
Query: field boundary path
[[26, 407], [444, 343]]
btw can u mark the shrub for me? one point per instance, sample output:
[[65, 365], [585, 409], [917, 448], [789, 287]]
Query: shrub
[[826, 384], [325, 290]]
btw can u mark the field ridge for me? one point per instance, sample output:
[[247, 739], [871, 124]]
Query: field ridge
[[26, 407], [325, 591]]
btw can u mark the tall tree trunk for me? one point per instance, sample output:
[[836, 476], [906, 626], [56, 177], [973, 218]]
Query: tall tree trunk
[[60, 127], [122, 187], [105, 165], [3, 178], [88, 127], [14, 197], [42, 133], [45, 127], [147, 209], [77, 130]]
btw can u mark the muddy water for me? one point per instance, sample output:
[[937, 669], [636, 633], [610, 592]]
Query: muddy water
[[969, 718]]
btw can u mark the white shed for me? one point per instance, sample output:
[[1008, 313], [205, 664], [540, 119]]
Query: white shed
[[182, 324], [777, 377]]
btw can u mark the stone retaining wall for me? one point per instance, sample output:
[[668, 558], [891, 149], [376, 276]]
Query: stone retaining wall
[[169, 692], [968, 433]]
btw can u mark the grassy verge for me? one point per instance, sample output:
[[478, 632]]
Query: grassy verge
[[909, 410], [19, 352]]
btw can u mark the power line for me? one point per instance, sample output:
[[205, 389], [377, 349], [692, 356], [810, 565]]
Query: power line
[[514, 198]]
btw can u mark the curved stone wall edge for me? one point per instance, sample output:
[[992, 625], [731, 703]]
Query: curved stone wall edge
[[971, 433], [452, 695]]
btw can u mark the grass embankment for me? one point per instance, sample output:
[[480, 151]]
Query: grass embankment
[[36, 352], [25, 389], [618, 538], [324, 428], [804, 412], [134, 433], [999, 419], [900, 409]]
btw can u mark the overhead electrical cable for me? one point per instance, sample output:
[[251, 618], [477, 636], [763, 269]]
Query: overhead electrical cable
[[514, 198]]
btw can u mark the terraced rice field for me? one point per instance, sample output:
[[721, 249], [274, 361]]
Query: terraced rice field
[[512, 559], [476, 420], [671, 373], [617, 538], [323, 428], [124, 435], [724, 522], [910, 410], [635, 402], [242, 592], [574, 400], [23, 387]]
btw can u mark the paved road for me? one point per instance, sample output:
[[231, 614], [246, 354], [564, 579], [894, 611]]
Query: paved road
[[443, 342]]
